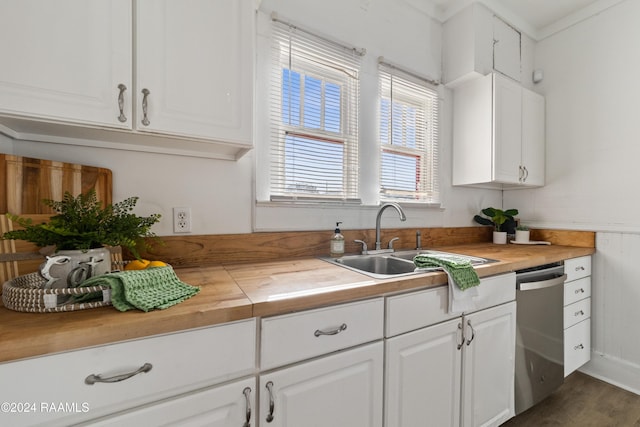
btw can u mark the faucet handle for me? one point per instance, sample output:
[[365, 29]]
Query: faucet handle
[[391, 242], [364, 246]]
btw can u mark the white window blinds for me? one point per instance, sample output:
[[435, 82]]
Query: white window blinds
[[408, 137], [314, 117]]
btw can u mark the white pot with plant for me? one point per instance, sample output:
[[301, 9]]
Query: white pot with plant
[[502, 221], [522, 234]]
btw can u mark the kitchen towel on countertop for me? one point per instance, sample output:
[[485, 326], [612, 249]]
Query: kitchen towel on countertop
[[148, 289], [463, 279]]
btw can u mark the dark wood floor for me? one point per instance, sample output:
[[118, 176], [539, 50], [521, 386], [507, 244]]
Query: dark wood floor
[[583, 401]]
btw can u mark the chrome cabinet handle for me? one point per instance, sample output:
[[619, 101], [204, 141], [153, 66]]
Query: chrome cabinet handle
[[526, 174], [335, 331], [145, 119], [247, 398], [473, 332], [461, 343], [269, 386], [520, 173], [579, 291], [92, 379], [121, 118], [580, 268], [579, 347], [578, 313]]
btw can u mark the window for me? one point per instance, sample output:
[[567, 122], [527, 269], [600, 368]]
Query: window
[[408, 137], [314, 118]]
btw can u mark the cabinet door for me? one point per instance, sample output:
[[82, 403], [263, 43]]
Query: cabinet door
[[223, 406], [506, 49], [195, 60], [533, 138], [507, 129], [488, 366], [344, 389], [64, 60], [422, 377]]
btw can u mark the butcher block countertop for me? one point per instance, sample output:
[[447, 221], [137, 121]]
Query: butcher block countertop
[[241, 291]]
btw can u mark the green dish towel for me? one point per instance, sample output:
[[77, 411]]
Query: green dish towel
[[459, 269], [149, 289]]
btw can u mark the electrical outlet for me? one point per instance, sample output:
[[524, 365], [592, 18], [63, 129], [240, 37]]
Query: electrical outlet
[[182, 220]]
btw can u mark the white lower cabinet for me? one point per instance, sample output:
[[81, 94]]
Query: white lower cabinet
[[342, 389], [459, 372], [577, 313], [223, 406], [78, 386]]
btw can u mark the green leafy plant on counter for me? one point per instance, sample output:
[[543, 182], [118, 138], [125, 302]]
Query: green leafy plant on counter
[[83, 223], [499, 219], [523, 228]]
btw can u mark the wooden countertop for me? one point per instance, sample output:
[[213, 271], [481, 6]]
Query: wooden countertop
[[235, 292]]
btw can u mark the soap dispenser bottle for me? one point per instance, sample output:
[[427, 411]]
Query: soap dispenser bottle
[[337, 243]]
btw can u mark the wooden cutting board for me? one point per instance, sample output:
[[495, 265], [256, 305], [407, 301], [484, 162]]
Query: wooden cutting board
[[24, 183], [27, 181]]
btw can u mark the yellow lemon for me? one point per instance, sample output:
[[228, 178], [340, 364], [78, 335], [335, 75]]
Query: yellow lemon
[[157, 264], [137, 264]]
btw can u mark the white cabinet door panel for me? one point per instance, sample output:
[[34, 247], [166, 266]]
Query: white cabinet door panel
[[343, 389], [64, 60], [195, 58], [422, 377], [507, 122]]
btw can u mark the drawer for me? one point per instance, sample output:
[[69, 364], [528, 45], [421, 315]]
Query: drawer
[[577, 268], [577, 290], [577, 312], [577, 346], [298, 336], [181, 362], [416, 310]]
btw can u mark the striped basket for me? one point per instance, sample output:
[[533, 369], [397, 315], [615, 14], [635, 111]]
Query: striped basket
[[26, 293]]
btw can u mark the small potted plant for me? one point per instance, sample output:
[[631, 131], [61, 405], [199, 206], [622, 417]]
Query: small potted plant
[[502, 222], [80, 233], [522, 233]]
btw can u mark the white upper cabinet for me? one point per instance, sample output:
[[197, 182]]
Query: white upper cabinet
[[77, 72], [498, 134], [194, 59], [476, 43], [65, 60]]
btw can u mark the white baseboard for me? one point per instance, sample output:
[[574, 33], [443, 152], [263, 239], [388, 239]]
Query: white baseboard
[[618, 372]]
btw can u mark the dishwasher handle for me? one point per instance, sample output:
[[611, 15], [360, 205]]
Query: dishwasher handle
[[542, 284]]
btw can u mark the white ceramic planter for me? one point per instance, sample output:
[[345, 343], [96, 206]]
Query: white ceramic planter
[[500, 237], [522, 235]]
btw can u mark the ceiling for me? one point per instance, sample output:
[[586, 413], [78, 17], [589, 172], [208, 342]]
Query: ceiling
[[537, 18]]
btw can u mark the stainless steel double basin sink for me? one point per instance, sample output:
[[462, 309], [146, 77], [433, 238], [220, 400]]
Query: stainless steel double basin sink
[[394, 264]]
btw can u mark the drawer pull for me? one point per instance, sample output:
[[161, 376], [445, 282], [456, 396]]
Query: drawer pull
[[579, 291], [92, 379], [579, 347], [579, 313], [580, 268], [247, 398], [269, 386], [335, 331]]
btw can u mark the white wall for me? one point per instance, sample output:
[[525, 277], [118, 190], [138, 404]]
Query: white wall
[[220, 193], [592, 90]]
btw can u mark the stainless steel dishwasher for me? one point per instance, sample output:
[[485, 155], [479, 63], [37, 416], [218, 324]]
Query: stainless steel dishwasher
[[540, 333]]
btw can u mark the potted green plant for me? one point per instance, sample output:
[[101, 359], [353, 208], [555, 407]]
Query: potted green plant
[[501, 220], [522, 233], [81, 232]]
